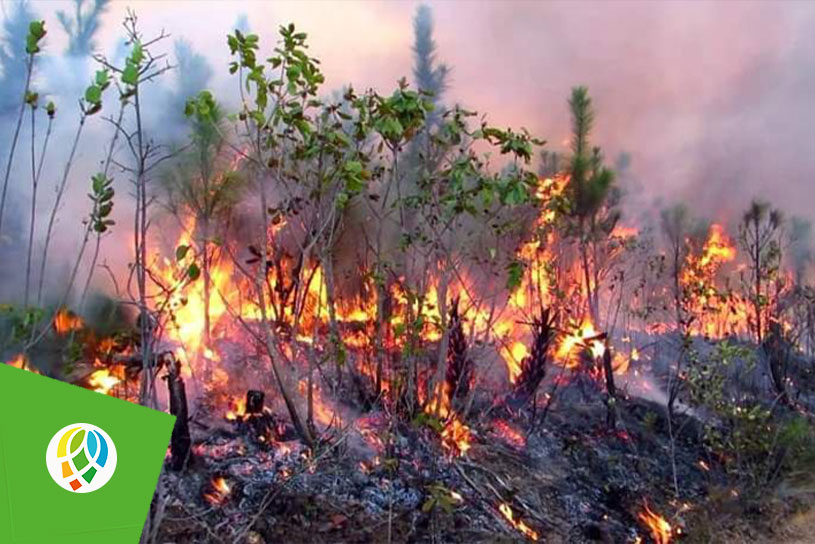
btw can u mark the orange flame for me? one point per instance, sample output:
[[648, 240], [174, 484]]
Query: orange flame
[[66, 321], [716, 315], [21, 361], [237, 409], [661, 531], [455, 438], [583, 336], [220, 491], [509, 433], [506, 511], [103, 381], [718, 247]]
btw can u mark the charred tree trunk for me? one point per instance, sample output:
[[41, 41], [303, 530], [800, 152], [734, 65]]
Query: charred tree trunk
[[180, 441]]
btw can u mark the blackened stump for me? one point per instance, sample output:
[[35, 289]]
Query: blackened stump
[[180, 441], [254, 401]]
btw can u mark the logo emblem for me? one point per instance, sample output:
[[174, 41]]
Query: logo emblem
[[81, 458]]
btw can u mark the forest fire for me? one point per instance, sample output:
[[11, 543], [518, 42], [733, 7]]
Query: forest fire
[[376, 296], [717, 312]]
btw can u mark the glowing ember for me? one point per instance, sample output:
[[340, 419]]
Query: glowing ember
[[661, 531], [506, 511], [509, 433], [219, 491]]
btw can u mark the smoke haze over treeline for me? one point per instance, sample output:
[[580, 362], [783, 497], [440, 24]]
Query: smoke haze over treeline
[[711, 101]]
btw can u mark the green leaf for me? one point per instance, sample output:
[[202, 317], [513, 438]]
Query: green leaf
[[137, 55], [93, 94], [515, 273], [98, 183], [181, 252], [37, 29], [31, 46], [193, 272], [130, 75], [102, 79]]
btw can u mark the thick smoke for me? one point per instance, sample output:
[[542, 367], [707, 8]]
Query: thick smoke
[[63, 70]]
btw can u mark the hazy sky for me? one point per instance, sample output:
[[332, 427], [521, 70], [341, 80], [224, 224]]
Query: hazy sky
[[712, 100]]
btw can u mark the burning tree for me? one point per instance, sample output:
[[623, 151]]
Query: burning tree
[[203, 190]]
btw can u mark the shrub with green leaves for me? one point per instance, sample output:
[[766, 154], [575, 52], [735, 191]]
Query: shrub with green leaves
[[755, 444]]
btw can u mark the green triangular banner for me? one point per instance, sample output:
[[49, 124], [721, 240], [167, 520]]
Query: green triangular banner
[[76, 466]]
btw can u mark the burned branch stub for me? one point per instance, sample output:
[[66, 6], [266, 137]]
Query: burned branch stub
[[259, 422], [254, 401]]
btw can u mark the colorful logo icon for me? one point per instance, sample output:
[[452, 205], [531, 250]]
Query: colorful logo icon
[[81, 458]]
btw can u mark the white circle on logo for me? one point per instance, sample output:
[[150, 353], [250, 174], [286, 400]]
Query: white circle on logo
[[81, 458]]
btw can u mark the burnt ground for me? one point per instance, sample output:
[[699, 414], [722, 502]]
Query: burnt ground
[[570, 479]]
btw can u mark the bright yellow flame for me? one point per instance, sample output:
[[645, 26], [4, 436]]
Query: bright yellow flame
[[661, 531], [507, 512], [103, 381]]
